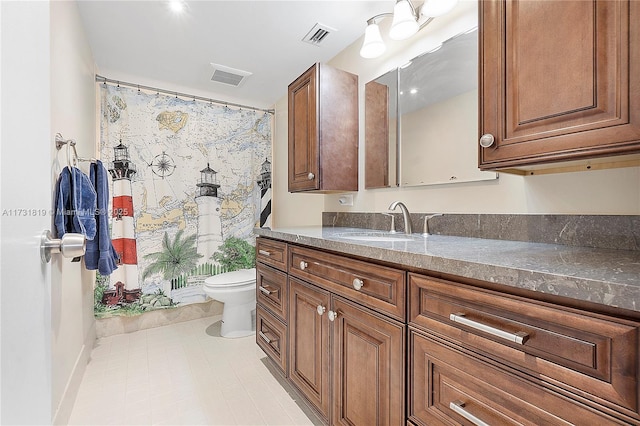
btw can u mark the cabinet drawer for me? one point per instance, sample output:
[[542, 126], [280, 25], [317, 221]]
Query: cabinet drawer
[[591, 355], [272, 253], [378, 287], [452, 388], [271, 290], [271, 336]]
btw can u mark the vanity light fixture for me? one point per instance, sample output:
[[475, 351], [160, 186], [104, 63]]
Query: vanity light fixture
[[405, 23], [177, 6], [407, 20]]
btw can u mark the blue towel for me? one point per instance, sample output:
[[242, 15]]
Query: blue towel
[[75, 204], [100, 253]]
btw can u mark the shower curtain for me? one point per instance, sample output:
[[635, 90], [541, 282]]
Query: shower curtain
[[188, 180]]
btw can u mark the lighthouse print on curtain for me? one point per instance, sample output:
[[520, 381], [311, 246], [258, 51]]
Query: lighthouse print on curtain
[[189, 182]]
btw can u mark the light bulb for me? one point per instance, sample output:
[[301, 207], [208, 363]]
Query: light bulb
[[404, 23], [372, 46]]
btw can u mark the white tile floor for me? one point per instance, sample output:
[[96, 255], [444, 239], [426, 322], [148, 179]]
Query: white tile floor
[[184, 374]]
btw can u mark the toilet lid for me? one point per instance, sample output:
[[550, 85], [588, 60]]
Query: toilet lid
[[231, 279]]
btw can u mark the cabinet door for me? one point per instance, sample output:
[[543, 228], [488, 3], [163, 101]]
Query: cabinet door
[[309, 343], [368, 367], [304, 155], [560, 80]]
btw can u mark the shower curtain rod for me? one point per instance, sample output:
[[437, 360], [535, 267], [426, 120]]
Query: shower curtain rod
[[105, 80]]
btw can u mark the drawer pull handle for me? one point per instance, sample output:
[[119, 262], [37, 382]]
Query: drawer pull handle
[[358, 283], [519, 337], [303, 265], [266, 290], [458, 407], [320, 310], [333, 315], [264, 252], [266, 338]]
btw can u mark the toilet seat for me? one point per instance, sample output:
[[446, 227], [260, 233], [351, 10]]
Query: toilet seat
[[232, 279]]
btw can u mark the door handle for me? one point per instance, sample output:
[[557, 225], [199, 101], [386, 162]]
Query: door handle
[[70, 245]]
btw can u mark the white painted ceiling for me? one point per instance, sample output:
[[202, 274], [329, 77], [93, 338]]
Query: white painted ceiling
[[143, 42]]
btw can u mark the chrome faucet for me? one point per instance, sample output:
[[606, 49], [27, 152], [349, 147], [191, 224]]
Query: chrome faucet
[[405, 215], [425, 228]]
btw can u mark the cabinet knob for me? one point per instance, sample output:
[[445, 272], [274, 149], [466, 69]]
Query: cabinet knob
[[333, 315], [358, 283], [311, 176], [321, 309], [303, 265], [487, 140]]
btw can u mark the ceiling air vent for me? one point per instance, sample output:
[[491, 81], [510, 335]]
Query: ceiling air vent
[[317, 34], [229, 76]]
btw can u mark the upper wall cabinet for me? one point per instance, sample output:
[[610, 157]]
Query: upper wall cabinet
[[323, 131], [559, 80]]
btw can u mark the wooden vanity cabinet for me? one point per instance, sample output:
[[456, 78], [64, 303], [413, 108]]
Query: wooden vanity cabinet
[[510, 360], [369, 344], [272, 300], [559, 81], [347, 337], [346, 359], [323, 130]]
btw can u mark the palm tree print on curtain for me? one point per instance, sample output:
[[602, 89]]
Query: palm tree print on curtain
[[176, 258]]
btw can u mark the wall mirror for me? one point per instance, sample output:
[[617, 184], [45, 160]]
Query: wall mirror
[[437, 119]]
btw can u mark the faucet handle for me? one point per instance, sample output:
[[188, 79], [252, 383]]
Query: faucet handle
[[425, 228], [393, 223]]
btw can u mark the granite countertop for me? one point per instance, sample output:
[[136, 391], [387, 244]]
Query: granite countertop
[[604, 276]]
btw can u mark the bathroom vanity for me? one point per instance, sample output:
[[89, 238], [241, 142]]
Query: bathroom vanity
[[387, 329]]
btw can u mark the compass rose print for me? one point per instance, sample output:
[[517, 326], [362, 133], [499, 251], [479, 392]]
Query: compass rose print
[[163, 165]]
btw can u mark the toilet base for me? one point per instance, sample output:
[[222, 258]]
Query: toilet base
[[237, 320]]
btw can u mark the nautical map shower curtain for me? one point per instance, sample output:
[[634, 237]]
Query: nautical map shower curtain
[[188, 179]]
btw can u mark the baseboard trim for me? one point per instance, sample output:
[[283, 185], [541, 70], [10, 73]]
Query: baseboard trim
[[63, 412]]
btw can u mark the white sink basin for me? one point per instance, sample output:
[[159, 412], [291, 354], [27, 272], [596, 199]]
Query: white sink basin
[[376, 237]]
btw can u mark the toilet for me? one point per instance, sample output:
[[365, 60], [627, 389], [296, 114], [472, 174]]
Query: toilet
[[237, 290]]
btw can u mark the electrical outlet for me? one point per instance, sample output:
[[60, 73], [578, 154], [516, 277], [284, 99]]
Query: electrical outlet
[[346, 200]]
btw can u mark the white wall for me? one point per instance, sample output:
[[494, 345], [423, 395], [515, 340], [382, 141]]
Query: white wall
[[289, 209], [73, 113], [615, 191]]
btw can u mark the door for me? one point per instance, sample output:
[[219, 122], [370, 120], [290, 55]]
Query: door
[[304, 155], [556, 79], [25, 204], [309, 342], [368, 367]]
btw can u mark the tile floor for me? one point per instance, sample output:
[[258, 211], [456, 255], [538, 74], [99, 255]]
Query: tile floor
[[184, 374]]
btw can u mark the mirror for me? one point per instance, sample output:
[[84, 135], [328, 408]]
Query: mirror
[[437, 127]]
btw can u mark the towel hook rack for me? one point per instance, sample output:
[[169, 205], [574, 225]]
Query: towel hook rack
[[72, 160]]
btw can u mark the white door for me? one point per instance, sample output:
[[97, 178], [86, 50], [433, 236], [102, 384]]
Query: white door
[[26, 146]]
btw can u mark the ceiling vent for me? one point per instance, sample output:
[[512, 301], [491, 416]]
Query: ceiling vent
[[317, 34], [228, 76]]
